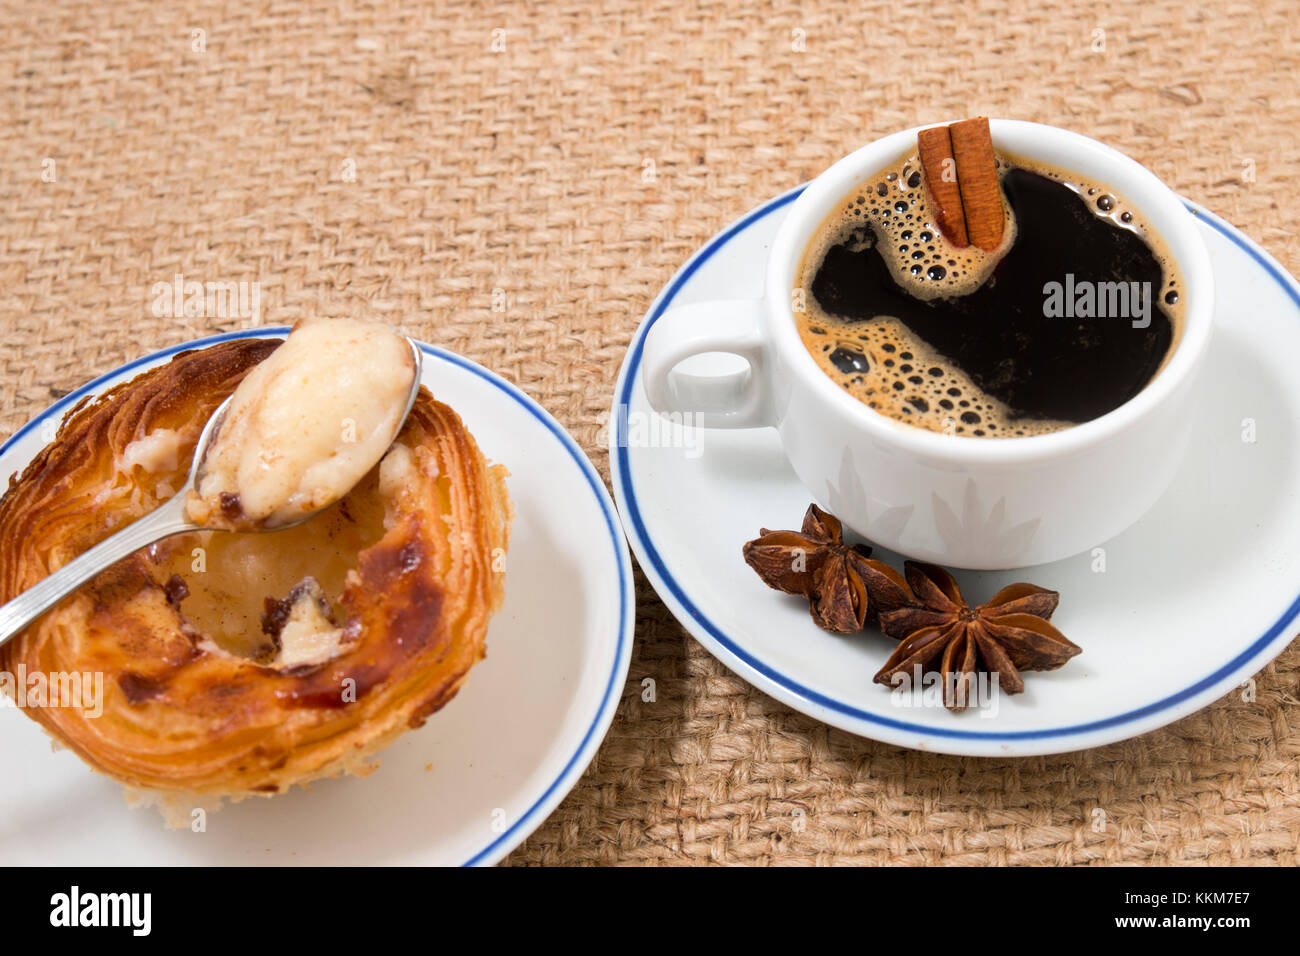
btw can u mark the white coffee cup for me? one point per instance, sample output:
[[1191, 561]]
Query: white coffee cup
[[966, 502]]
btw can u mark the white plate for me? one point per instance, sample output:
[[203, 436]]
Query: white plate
[[501, 755], [1194, 599]]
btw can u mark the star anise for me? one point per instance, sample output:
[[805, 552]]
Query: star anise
[[842, 583], [940, 631]]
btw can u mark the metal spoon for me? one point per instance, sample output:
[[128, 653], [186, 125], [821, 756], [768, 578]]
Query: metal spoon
[[164, 521]]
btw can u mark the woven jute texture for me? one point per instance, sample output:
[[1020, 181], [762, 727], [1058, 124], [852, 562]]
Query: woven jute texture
[[515, 182]]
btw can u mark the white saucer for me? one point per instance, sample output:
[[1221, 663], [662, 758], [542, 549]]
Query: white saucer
[[1195, 598], [499, 757]]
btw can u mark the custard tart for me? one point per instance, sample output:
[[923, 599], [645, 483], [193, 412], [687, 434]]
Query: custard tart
[[236, 663]]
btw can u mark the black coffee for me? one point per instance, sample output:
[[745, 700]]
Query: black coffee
[[1070, 318]]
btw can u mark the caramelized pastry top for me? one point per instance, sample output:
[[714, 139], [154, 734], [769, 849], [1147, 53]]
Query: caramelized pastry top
[[242, 663], [305, 425]]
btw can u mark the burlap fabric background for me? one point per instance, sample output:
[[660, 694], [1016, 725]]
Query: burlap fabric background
[[403, 162]]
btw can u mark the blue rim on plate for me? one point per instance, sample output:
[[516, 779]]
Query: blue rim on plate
[[647, 553], [532, 817]]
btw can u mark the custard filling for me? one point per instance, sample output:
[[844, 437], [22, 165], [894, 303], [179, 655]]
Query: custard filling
[[304, 425]]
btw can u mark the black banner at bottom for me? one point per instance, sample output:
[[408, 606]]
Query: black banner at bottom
[[137, 905]]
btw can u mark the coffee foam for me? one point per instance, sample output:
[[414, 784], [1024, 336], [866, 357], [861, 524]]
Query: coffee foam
[[882, 362]]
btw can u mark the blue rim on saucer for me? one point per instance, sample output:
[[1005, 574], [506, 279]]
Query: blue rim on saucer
[[515, 834], [668, 587]]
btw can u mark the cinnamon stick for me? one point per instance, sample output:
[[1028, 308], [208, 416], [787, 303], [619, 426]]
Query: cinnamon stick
[[977, 180], [939, 168]]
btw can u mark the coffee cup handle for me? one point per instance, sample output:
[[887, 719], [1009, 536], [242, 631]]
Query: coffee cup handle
[[737, 400]]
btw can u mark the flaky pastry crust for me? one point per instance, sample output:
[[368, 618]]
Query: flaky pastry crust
[[194, 703]]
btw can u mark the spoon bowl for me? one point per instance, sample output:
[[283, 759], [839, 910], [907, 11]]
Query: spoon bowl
[[167, 519]]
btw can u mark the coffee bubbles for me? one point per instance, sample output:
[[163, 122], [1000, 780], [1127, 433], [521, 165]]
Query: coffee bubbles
[[884, 234], [895, 206]]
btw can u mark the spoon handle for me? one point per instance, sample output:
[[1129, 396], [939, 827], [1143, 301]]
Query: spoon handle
[[167, 519]]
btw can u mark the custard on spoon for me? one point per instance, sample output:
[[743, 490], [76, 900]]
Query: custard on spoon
[[298, 433], [304, 426]]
